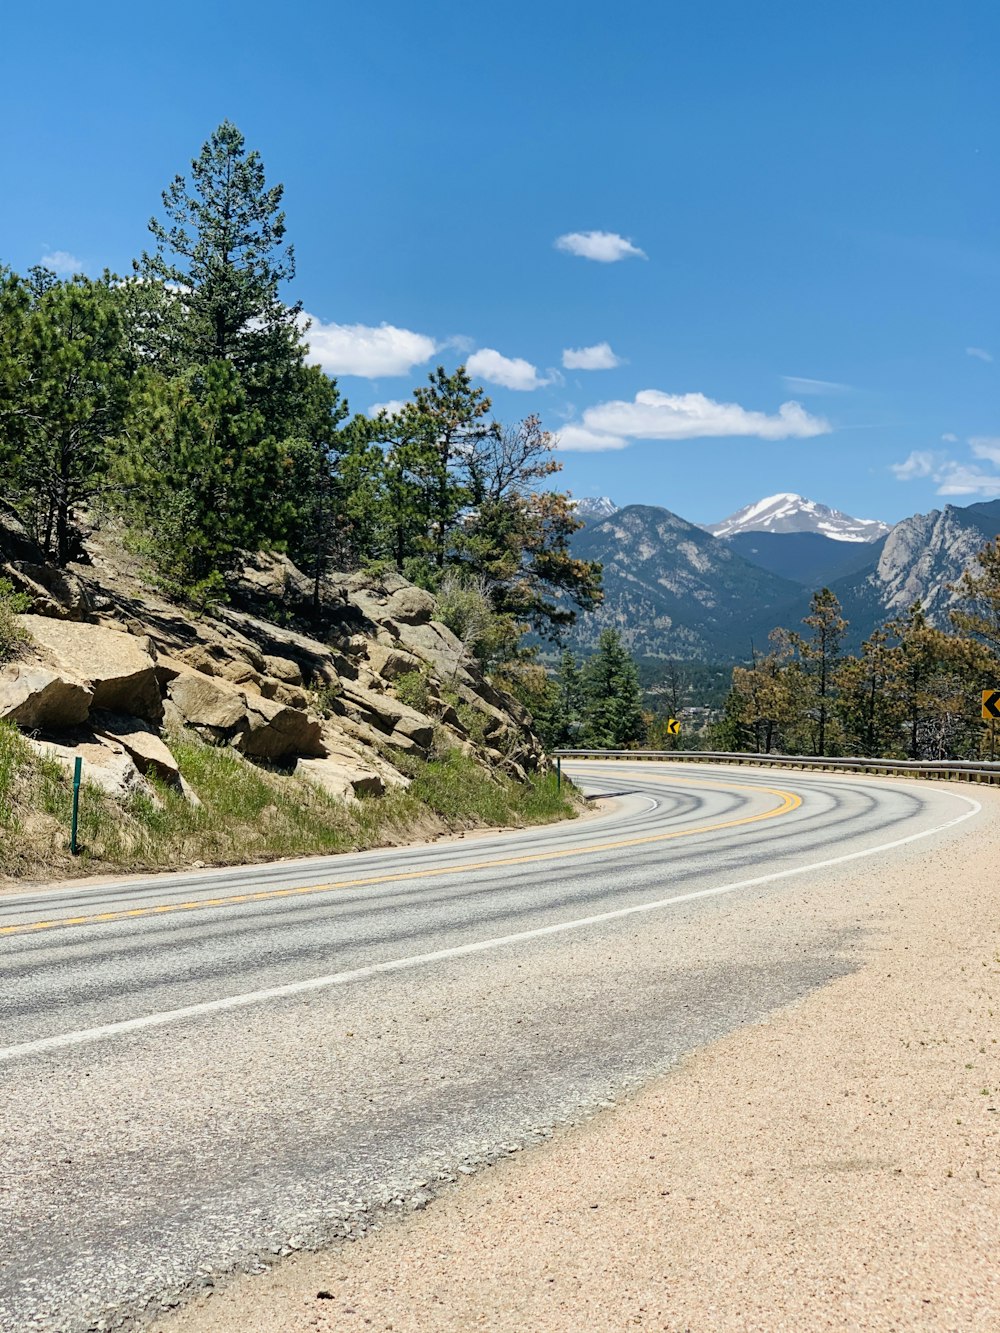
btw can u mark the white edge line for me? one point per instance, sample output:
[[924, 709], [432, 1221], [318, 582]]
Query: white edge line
[[457, 951]]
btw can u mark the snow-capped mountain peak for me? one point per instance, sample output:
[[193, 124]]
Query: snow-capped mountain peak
[[595, 506], [788, 512]]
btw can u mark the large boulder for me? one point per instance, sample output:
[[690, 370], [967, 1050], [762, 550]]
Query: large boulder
[[36, 696], [53, 592], [411, 606], [276, 730], [105, 765], [205, 702], [339, 777], [147, 750], [387, 715], [117, 667], [257, 727]]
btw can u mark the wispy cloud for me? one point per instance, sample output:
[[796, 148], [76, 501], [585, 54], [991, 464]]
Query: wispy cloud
[[581, 440], [391, 408], [980, 353], [955, 476], [598, 357], [654, 415], [949, 438], [369, 352], [821, 388], [63, 263], [510, 372], [606, 247]]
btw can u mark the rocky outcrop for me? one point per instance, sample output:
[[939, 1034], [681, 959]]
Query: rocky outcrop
[[110, 670], [106, 764], [118, 668], [140, 742], [37, 696]]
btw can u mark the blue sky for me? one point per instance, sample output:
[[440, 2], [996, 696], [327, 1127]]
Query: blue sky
[[813, 190]]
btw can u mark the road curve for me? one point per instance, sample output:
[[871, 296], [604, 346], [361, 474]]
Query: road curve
[[200, 1070]]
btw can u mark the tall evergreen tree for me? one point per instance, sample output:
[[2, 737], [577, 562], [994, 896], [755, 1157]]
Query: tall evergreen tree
[[614, 716], [63, 390], [820, 652], [221, 250], [201, 477]]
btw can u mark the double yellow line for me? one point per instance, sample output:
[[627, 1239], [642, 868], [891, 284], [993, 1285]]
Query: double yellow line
[[788, 801]]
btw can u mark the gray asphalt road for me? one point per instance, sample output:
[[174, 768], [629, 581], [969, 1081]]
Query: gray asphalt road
[[201, 1071]]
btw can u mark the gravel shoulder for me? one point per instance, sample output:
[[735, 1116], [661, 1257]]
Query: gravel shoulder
[[835, 1167]]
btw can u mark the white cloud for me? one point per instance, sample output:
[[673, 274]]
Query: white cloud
[[510, 372], [391, 408], [953, 476], [967, 479], [949, 438], [598, 357], [980, 353], [359, 349], [61, 261], [606, 247], [920, 463], [802, 384], [654, 415], [986, 446], [581, 440]]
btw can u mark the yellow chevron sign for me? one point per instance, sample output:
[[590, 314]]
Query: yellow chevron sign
[[674, 727], [991, 705]]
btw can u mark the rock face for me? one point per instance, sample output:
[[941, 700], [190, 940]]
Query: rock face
[[118, 668], [919, 561], [108, 664], [37, 696], [140, 742], [105, 764]]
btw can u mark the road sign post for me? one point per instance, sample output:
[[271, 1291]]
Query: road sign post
[[77, 773], [991, 712]]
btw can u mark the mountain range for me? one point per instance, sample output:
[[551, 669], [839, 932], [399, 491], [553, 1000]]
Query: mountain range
[[794, 513], [674, 589]]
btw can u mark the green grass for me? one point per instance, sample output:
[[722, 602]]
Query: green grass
[[247, 813]]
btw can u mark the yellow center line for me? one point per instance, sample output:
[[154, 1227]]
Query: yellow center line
[[788, 801]]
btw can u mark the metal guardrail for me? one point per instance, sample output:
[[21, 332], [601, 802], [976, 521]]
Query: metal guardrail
[[960, 770]]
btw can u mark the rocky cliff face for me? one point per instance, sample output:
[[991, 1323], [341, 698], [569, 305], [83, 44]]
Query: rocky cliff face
[[109, 669], [921, 557]]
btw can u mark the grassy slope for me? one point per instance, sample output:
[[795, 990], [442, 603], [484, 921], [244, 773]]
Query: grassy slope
[[247, 813]]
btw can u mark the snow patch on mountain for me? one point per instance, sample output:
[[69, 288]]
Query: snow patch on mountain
[[595, 506], [788, 512]]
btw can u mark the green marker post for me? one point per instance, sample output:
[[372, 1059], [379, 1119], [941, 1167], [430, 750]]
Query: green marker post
[[77, 772]]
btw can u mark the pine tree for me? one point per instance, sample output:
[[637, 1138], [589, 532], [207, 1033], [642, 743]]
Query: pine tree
[[613, 717], [63, 391], [979, 589], [819, 655], [201, 477], [221, 251]]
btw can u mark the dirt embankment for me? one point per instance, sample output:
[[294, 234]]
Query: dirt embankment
[[835, 1168]]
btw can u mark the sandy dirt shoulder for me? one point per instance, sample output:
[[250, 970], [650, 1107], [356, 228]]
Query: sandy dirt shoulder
[[837, 1167]]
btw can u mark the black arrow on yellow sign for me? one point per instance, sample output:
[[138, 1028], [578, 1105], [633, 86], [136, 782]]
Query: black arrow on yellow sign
[[674, 727], [991, 705]]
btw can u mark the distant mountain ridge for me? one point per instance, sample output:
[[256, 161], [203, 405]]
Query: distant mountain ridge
[[674, 590], [788, 512]]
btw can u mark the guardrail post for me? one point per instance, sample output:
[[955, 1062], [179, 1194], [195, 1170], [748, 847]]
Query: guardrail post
[[77, 772], [558, 772]]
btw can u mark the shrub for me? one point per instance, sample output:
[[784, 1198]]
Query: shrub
[[12, 635], [412, 689]]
